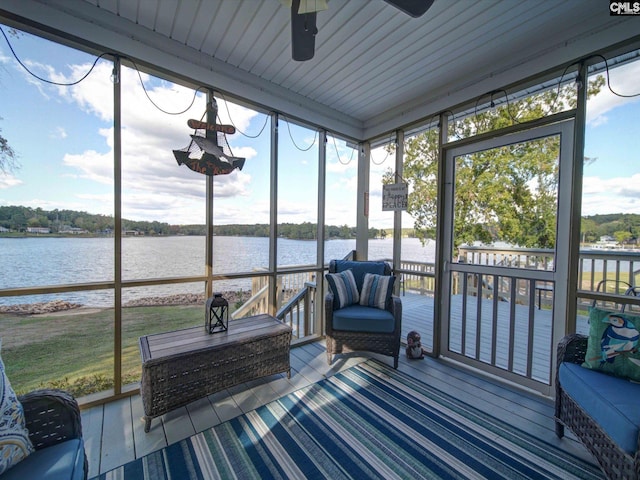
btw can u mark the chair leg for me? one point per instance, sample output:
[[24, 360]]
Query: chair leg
[[147, 424], [395, 362], [559, 429]]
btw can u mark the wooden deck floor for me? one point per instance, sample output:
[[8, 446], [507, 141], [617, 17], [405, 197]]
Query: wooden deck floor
[[114, 433], [417, 314]]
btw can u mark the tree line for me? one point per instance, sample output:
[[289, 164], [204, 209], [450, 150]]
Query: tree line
[[20, 219], [623, 227], [508, 193]]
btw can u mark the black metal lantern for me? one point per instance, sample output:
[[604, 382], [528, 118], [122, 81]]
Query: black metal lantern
[[216, 314]]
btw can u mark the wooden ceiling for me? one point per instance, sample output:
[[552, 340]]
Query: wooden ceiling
[[375, 68]]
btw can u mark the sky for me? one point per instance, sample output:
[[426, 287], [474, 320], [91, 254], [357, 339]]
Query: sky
[[612, 140], [63, 136]]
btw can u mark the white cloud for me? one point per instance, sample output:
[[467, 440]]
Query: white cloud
[[613, 195], [39, 69], [48, 205], [623, 81], [338, 184], [228, 211], [92, 166], [94, 94], [59, 132], [297, 212], [8, 181], [341, 158], [245, 152], [341, 168], [102, 198], [341, 214], [592, 185], [155, 187]]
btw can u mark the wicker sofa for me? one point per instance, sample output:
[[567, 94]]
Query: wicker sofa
[[362, 328], [53, 420], [599, 409]]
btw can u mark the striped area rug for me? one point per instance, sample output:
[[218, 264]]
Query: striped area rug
[[368, 421]]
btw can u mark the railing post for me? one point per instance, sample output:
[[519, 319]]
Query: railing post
[[307, 311]]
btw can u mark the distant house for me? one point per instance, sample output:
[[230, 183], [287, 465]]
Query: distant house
[[3, 230], [607, 242], [38, 230], [72, 230]]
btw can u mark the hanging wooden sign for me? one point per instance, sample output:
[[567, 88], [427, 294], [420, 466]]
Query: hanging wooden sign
[[395, 197]]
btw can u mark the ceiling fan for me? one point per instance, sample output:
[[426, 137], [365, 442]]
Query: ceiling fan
[[303, 22]]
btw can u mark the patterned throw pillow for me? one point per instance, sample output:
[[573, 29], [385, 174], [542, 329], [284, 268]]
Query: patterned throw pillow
[[376, 290], [361, 268], [344, 289], [612, 346], [14, 437]]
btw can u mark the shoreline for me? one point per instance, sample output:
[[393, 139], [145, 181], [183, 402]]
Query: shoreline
[[64, 307]]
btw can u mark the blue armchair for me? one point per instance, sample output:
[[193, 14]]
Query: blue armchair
[[373, 322], [53, 420]]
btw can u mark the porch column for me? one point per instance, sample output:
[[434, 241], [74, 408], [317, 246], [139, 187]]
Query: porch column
[[322, 174], [362, 215], [318, 328], [575, 219], [208, 266], [397, 215], [117, 227], [273, 222], [444, 225]]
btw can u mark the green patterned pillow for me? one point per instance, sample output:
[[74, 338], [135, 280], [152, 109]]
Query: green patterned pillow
[[613, 343], [14, 436]]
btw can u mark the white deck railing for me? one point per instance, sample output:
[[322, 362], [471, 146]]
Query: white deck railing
[[296, 297], [295, 300]]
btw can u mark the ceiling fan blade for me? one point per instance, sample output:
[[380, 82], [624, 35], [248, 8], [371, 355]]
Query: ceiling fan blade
[[303, 33], [414, 8]]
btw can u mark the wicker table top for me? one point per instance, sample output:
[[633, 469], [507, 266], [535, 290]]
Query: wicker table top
[[189, 340]]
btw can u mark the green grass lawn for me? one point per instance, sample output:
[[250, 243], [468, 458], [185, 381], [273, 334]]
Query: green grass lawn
[[599, 276], [75, 350]]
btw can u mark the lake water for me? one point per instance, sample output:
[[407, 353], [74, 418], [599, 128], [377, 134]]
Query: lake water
[[47, 261], [32, 261]]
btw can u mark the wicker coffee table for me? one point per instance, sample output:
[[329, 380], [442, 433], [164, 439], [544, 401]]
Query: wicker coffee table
[[184, 365]]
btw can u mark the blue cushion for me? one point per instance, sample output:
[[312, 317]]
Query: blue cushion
[[343, 287], [376, 290], [62, 461], [357, 318], [612, 402], [360, 268]]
